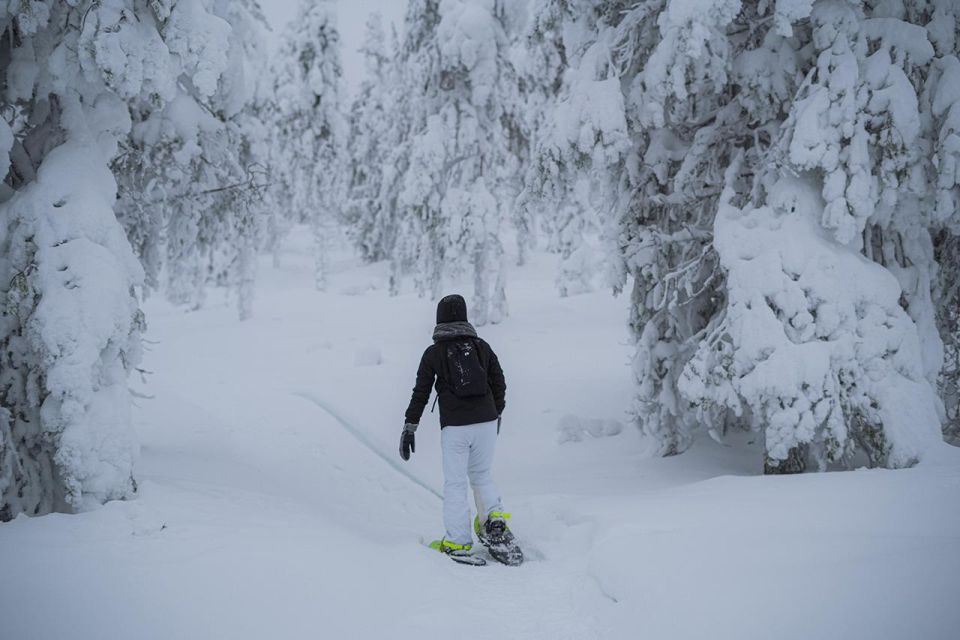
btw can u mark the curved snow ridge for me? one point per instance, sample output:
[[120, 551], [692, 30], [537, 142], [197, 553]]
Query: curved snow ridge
[[362, 439]]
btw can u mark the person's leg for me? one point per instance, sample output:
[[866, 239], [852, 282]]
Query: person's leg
[[455, 443], [483, 445]]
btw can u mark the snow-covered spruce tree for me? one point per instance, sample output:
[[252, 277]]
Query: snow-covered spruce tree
[[947, 255], [244, 102], [413, 94], [451, 204], [775, 209], [942, 98], [694, 99], [521, 93], [192, 174], [310, 127], [852, 159], [69, 318], [562, 206], [87, 86], [371, 221]]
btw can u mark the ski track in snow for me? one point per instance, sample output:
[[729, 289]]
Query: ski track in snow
[[358, 434], [273, 503]]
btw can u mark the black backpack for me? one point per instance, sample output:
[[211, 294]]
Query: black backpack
[[466, 376]]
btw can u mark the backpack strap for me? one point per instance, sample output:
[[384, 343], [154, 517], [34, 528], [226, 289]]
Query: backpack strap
[[444, 366], [443, 375]]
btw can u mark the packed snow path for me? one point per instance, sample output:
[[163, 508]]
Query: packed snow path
[[273, 503]]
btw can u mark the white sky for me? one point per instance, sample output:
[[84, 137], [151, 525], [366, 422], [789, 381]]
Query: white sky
[[352, 15]]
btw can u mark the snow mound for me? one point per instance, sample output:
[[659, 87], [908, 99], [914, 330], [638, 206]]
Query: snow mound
[[368, 357], [358, 289], [573, 428]]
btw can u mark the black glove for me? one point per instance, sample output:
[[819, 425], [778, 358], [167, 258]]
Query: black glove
[[499, 420], [407, 440]]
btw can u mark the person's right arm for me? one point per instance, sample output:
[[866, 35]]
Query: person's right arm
[[421, 390]]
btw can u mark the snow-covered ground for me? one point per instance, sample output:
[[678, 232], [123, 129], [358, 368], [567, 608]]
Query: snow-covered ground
[[273, 503]]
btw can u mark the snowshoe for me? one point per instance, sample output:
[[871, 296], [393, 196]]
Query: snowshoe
[[460, 553], [496, 536]]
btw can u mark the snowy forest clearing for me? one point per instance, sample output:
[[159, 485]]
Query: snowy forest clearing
[[260, 515]]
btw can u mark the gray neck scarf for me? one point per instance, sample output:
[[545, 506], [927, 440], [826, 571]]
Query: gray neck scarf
[[449, 330]]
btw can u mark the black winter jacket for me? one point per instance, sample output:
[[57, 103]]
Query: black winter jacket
[[454, 410]]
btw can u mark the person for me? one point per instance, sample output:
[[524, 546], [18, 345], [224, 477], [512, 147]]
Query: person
[[471, 392]]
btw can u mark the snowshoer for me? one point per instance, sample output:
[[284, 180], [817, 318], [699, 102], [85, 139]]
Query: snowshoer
[[470, 390]]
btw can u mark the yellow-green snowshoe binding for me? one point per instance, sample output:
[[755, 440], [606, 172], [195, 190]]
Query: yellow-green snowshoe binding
[[460, 553], [496, 536]]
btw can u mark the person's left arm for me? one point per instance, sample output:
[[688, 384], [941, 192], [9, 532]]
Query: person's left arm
[[496, 380]]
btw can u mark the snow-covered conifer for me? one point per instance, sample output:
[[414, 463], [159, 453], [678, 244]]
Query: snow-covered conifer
[[310, 127], [792, 120], [97, 97], [70, 322], [520, 92], [561, 207], [192, 173], [371, 220], [417, 58], [457, 68]]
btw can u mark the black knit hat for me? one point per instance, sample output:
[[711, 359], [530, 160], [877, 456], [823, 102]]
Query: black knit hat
[[452, 309]]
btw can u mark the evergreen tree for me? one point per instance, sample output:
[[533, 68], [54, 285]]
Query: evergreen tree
[[82, 84], [520, 112], [310, 128], [121, 116], [413, 93], [192, 174], [457, 68], [563, 208], [372, 222], [730, 138]]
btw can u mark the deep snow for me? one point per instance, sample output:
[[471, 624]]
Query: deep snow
[[273, 502]]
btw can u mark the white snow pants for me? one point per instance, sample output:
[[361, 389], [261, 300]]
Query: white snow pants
[[467, 454]]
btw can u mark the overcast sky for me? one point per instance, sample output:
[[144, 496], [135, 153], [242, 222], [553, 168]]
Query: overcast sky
[[352, 15]]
